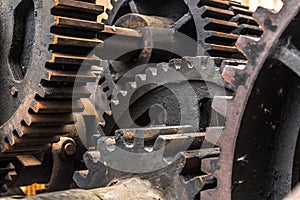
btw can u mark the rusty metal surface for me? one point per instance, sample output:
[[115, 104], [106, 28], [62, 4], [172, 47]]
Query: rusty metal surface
[[214, 25], [258, 54], [39, 64], [39, 108], [153, 86], [168, 179]]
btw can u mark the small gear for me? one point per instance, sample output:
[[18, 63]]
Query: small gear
[[172, 181], [181, 81]]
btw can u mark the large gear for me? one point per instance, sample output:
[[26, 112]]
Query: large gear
[[39, 64], [259, 158], [39, 105]]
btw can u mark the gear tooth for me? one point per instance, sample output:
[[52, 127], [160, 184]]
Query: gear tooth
[[246, 45], [140, 78], [213, 135], [2, 145], [233, 75], [179, 161], [121, 94], [210, 166], [19, 131], [40, 91], [138, 140], [163, 66], [152, 71], [220, 104], [160, 143], [11, 166], [27, 118], [91, 159], [175, 63], [131, 86], [194, 186], [188, 62], [8, 177], [261, 15], [34, 106], [102, 146], [10, 138], [115, 102], [163, 69], [80, 178]]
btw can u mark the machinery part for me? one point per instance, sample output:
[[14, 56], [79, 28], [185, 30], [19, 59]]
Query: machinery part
[[166, 87], [259, 149], [6, 168], [215, 25], [63, 163], [179, 177], [43, 105], [107, 6], [46, 43]]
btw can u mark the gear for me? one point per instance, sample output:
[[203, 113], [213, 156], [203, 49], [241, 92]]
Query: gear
[[134, 147], [258, 158], [46, 43], [214, 24], [38, 103], [181, 81], [179, 177], [218, 25]]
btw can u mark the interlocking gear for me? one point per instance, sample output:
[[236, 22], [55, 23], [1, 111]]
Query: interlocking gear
[[175, 176], [214, 25], [43, 45], [258, 158]]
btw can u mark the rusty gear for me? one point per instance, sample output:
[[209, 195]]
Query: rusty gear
[[258, 144], [179, 175], [37, 81], [200, 74], [46, 43], [217, 27]]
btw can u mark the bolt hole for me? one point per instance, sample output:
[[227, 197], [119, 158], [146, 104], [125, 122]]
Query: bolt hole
[[105, 89], [23, 39], [102, 80]]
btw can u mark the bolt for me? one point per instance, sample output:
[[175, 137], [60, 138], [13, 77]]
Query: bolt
[[14, 91], [70, 148]]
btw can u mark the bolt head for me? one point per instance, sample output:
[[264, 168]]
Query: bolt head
[[70, 149]]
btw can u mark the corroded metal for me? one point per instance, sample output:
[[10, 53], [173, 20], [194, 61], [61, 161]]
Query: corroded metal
[[251, 87], [214, 25], [175, 176], [45, 44]]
